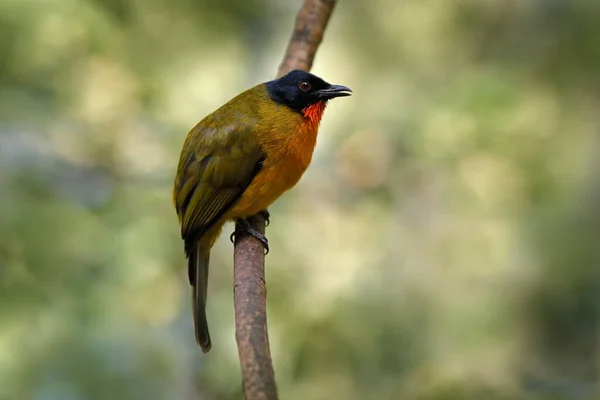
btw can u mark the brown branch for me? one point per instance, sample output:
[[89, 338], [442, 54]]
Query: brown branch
[[250, 293], [311, 22]]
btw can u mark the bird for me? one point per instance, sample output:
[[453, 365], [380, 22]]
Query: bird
[[237, 161]]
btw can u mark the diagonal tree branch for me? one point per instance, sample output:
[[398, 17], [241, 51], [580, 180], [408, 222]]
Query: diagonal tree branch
[[250, 293], [311, 22]]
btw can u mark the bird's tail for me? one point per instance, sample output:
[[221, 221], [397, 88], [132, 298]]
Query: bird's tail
[[198, 272]]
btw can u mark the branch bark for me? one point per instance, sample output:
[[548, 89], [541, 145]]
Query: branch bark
[[250, 293], [311, 22]]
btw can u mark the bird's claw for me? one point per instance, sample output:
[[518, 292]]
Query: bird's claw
[[243, 227], [266, 216]]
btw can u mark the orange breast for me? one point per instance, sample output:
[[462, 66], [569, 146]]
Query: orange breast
[[286, 161]]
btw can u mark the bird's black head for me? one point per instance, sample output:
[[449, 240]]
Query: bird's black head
[[299, 89]]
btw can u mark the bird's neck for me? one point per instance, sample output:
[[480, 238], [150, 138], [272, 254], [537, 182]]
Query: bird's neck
[[314, 112], [302, 143]]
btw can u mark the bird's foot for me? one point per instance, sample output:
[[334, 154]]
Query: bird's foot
[[266, 215], [243, 227]]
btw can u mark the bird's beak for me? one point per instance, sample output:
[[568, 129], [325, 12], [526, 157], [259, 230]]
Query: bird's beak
[[333, 91]]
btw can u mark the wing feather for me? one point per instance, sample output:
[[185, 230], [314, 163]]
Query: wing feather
[[214, 170]]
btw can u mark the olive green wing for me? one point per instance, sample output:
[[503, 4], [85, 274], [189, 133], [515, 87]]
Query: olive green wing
[[216, 166]]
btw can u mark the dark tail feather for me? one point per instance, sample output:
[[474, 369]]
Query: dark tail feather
[[198, 271]]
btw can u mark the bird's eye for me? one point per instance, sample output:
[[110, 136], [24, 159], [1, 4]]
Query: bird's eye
[[304, 86]]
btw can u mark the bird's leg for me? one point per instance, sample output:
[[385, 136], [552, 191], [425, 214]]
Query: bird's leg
[[243, 227], [266, 215]]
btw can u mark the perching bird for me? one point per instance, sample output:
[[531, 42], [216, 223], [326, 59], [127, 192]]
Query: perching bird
[[240, 159]]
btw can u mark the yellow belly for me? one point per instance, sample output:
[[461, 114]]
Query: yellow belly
[[288, 157], [270, 183]]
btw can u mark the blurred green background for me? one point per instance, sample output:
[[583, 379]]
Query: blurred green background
[[442, 246]]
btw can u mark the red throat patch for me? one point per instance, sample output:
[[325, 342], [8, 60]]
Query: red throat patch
[[314, 112]]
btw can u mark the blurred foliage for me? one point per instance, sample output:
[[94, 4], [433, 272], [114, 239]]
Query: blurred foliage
[[442, 246]]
